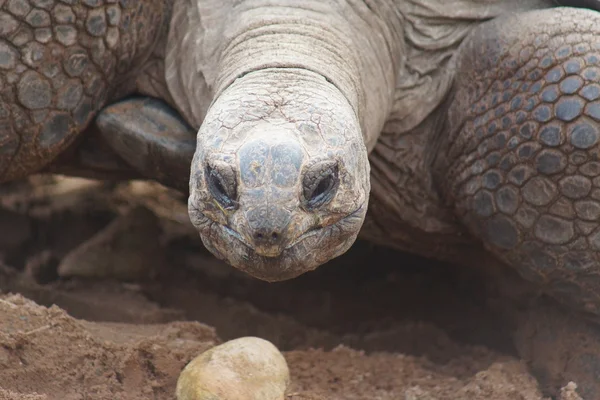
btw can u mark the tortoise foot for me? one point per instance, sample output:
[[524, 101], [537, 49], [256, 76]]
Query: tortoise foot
[[151, 137], [137, 138]]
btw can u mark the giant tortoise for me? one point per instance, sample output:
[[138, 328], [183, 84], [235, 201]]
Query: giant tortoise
[[463, 126]]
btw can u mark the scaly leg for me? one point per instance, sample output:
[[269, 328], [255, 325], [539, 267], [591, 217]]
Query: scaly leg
[[138, 137], [59, 63], [519, 157]]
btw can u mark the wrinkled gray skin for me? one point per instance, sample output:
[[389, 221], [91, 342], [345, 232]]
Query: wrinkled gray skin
[[287, 133], [469, 129], [367, 60], [270, 160]]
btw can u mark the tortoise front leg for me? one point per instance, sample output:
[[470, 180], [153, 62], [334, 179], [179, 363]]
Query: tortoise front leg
[[59, 63], [519, 158], [136, 138], [139, 137]]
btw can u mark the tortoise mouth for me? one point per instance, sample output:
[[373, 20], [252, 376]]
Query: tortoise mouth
[[277, 252], [270, 252], [315, 230], [306, 252], [312, 231]]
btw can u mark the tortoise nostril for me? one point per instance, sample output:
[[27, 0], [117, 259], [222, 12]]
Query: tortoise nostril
[[267, 237], [268, 225]]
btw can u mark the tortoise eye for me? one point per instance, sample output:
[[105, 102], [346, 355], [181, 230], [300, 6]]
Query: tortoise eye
[[222, 184], [320, 183]]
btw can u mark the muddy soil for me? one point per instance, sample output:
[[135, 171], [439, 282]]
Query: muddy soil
[[101, 298]]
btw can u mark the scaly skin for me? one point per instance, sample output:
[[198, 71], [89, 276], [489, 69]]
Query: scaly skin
[[519, 159], [59, 63], [291, 96], [280, 179], [271, 229]]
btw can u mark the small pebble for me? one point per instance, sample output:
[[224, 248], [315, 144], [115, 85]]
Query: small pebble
[[247, 368], [569, 392]]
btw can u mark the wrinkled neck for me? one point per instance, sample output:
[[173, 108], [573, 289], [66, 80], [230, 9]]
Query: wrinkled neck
[[348, 42], [344, 41]]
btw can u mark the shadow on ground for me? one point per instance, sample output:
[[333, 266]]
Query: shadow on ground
[[372, 324]]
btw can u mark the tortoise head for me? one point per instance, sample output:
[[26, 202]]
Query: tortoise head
[[280, 178]]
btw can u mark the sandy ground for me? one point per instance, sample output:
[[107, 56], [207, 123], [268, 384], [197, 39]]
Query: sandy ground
[[373, 324]]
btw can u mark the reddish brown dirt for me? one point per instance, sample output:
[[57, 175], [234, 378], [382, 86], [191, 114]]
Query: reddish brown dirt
[[373, 324]]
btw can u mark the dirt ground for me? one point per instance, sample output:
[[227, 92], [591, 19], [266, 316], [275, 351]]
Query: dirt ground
[[101, 299]]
